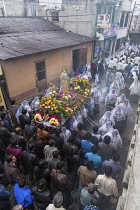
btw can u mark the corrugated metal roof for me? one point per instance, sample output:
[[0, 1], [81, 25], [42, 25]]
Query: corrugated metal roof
[[25, 36]]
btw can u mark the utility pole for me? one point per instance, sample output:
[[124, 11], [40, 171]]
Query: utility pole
[[5, 12], [131, 20]]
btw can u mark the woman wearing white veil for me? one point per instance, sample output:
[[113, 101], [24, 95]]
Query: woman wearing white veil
[[96, 96], [119, 117], [110, 100], [115, 86], [24, 105], [116, 140], [105, 128], [65, 134], [121, 99], [35, 104], [127, 110], [73, 123], [79, 117], [135, 90], [107, 117]]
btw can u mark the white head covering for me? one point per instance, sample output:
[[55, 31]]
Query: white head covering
[[116, 140], [84, 111], [135, 87], [118, 113], [65, 134], [79, 117], [107, 117], [24, 105], [73, 123], [97, 96], [105, 128], [35, 103], [121, 99], [127, 107], [111, 97]]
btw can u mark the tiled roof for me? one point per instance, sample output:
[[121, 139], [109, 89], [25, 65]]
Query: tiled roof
[[25, 36]]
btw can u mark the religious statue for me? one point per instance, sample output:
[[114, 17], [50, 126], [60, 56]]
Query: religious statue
[[65, 81]]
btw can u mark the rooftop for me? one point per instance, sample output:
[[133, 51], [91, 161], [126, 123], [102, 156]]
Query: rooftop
[[25, 36]]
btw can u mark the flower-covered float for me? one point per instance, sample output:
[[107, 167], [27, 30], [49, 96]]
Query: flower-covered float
[[60, 106]]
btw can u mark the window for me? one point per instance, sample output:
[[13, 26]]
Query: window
[[126, 20], [55, 16], [122, 20], [40, 70]]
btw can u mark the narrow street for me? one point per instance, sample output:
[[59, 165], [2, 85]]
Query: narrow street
[[126, 137]]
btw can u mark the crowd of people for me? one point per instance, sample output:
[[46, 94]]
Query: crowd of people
[[40, 169]]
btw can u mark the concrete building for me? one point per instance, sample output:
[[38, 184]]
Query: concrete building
[[19, 8], [135, 25], [111, 35], [34, 52]]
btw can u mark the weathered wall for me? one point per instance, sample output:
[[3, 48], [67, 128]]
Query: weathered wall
[[20, 72]]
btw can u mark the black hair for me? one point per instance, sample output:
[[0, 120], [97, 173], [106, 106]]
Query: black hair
[[107, 140], [3, 115], [95, 129], [22, 182], [116, 157], [13, 142], [17, 130], [90, 165], [82, 153], [58, 131], [31, 146], [51, 142], [71, 139], [42, 163], [9, 158], [41, 184], [73, 133], [55, 153], [80, 126], [60, 165], [1, 108], [88, 136], [108, 171], [41, 126], [28, 121], [24, 111], [13, 102], [94, 149]]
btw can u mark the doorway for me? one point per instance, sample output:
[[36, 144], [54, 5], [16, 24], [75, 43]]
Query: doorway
[[79, 58]]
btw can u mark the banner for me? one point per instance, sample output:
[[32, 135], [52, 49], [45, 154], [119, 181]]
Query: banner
[[103, 20]]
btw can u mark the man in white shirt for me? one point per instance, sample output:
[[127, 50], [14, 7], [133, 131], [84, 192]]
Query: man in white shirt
[[136, 60], [119, 66], [110, 65], [106, 187], [115, 61]]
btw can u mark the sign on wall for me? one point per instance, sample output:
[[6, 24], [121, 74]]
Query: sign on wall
[[103, 20]]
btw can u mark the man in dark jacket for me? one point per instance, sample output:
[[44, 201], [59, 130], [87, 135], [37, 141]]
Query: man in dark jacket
[[18, 136], [41, 195], [6, 122], [58, 139], [23, 118], [29, 129], [4, 197], [5, 134], [70, 149], [11, 171], [42, 171], [61, 182], [30, 160]]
